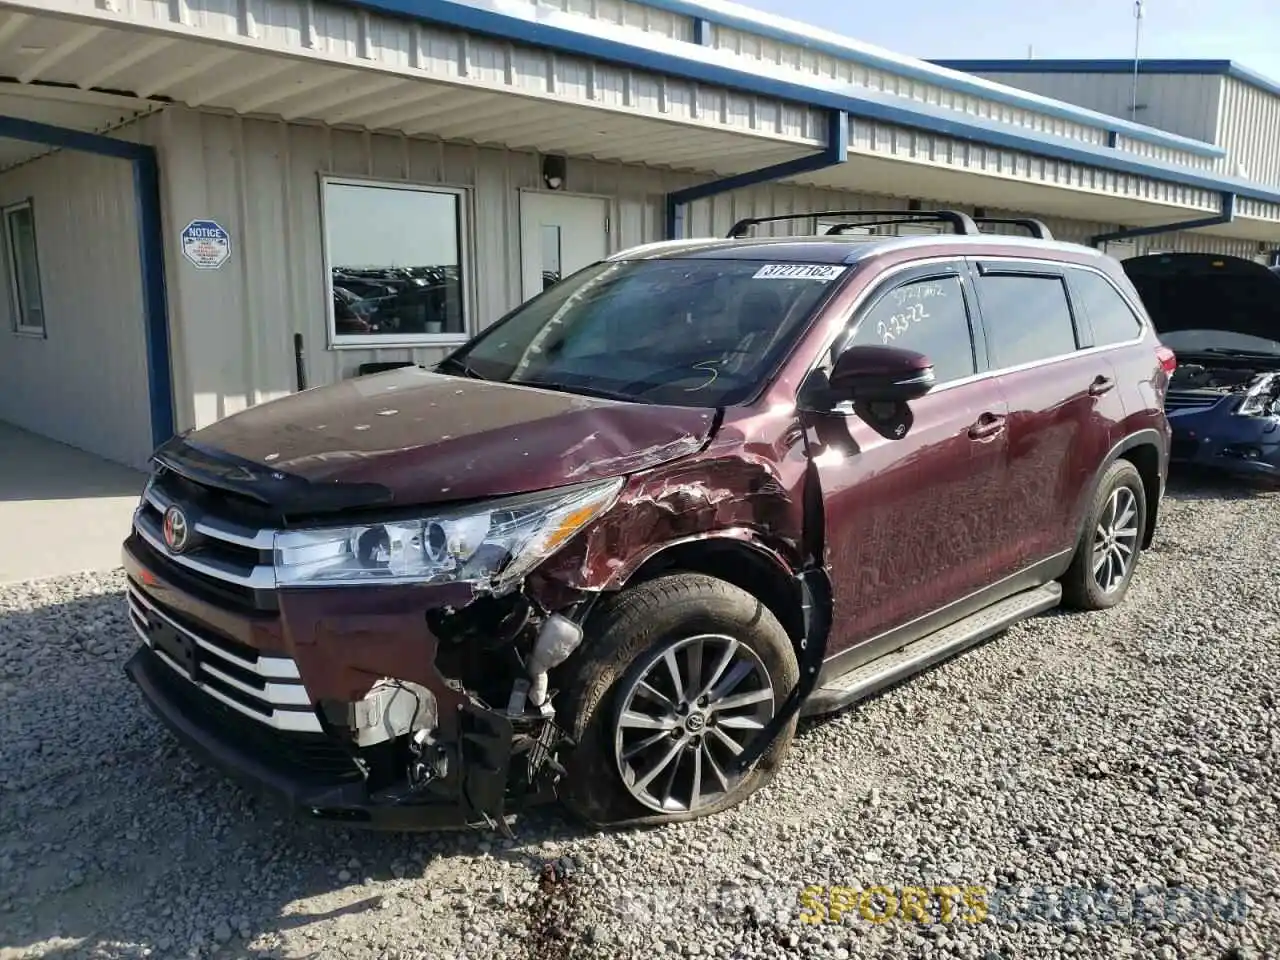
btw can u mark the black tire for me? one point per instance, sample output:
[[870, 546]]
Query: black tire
[[1080, 587], [622, 637]]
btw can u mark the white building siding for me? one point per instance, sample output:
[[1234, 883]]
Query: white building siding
[[1249, 127], [85, 384], [1179, 103]]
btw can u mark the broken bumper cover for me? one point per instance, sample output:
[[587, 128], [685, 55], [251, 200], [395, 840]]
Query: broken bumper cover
[[308, 773]]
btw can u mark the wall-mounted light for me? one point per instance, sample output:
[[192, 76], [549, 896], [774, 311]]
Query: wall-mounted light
[[980, 212], [553, 172]]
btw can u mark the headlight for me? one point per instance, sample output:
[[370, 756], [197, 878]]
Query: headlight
[[494, 544], [1260, 401]]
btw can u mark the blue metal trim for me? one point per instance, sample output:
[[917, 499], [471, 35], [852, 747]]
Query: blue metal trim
[[146, 183], [1225, 68], [835, 153], [701, 65], [820, 41], [1227, 216]]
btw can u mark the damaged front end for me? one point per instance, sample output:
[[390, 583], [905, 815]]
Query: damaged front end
[[389, 671], [1226, 416]]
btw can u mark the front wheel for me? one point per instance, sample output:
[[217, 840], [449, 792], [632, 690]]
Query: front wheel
[[681, 672], [1102, 570]]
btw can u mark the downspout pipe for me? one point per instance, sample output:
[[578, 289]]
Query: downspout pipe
[[836, 153], [1227, 215]]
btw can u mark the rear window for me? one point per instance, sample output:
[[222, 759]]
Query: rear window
[[688, 332], [1109, 315], [1027, 318]]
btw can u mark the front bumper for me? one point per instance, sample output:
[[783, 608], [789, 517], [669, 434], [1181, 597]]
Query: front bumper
[[308, 776], [1244, 449]]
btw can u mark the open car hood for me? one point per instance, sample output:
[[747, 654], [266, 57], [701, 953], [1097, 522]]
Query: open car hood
[[1195, 291], [414, 437]]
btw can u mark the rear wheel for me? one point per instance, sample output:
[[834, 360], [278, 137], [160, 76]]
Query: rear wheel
[[682, 671], [1102, 570]]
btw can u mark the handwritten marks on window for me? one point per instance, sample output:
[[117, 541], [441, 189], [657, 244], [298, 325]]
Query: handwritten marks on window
[[907, 306]]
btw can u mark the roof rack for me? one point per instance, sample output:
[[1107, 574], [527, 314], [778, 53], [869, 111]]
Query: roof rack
[[1036, 228], [961, 223]]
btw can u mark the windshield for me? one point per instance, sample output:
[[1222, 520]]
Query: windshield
[[684, 332], [1218, 341]]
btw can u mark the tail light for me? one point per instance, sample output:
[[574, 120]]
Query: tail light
[[1168, 359]]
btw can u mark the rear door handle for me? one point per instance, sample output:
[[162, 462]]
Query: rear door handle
[[988, 425], [1100, 385]]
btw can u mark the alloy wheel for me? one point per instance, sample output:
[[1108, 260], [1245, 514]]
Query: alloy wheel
[[1115, 542], [691, 707]]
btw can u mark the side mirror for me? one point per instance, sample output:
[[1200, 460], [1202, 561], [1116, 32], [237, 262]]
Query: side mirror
[[870, 374]]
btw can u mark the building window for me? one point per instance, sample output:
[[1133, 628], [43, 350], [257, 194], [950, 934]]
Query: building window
[[397, 263], [24, 269]]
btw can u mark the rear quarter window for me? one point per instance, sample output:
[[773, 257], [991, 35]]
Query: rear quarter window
[[1112, 319], [1027, 317]]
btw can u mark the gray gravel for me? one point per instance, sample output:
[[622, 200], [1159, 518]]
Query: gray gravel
[[1130, 750]]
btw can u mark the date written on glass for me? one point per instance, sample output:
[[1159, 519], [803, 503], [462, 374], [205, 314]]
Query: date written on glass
[[912, 302]]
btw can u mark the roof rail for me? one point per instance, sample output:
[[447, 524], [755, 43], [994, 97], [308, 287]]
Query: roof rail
[[961, 223], [1036, 228]]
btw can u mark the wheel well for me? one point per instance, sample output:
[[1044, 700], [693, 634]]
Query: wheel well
[[1146, 458], [738, 564]]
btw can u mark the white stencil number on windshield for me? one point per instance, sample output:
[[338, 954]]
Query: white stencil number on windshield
[[821, 272], [911, 306]]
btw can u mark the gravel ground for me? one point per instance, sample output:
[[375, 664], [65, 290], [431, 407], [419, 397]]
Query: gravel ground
[[1128, 751]]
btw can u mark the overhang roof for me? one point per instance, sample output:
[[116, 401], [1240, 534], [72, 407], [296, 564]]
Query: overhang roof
[[87, 111], [1203, 68]]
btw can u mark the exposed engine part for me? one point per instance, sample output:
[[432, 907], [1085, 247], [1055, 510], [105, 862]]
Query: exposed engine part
[[391, 709], [429, 759], [557, 639], [1195, 376]]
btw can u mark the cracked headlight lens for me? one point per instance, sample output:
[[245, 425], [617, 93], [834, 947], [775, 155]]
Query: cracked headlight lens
[[493, 544], [1260, 401]]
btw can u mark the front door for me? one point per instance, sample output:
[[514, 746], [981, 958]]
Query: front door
[[559, 234], [911, 524]]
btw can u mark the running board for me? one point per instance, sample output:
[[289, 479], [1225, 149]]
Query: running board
[[898, 664]]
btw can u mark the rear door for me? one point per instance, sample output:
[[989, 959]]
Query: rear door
[[1063, 399], [909, 522]]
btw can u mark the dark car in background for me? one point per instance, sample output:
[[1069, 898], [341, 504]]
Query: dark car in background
[[611, 548], [1221, 317]]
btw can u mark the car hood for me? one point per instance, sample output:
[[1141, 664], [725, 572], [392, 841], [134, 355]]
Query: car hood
[[1190, 291], [412, 436]]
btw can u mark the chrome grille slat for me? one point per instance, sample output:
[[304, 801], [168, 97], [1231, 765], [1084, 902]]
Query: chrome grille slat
[[269, 668], [282, 687], [261, 577], [214, 527]]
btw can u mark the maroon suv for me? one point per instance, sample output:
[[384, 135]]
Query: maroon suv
[[612, 547]]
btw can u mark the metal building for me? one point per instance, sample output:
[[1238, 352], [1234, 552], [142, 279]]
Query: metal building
[[192, 188]]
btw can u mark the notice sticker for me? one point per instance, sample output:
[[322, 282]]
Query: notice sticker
[[822, 272]]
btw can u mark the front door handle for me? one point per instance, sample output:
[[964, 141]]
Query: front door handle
[[1100, 385], [987, 426]]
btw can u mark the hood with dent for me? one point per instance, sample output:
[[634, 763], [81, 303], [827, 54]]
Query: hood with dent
[[428, 437], [1195, 291]]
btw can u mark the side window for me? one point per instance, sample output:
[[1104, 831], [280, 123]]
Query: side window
[[1027, 318], [1112, 319], [927, 316]]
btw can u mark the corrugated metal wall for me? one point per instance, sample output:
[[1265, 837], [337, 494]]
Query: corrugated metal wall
[[1179, 103], [1249, 127], [86, 383], [233, 328]]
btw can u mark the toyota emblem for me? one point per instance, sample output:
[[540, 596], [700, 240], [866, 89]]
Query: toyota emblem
[[176, 532]]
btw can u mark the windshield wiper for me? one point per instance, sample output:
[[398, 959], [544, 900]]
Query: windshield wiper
[[584, 391], [460, 366]]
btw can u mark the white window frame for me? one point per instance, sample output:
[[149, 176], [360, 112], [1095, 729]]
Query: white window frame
[[465, 247], [20, 327]]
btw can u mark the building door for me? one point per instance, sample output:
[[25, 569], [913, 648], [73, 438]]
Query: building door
[[559, 234]]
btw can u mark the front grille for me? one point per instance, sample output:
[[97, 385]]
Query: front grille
[[226, 558], [1190, 401], [265, 689], [309, 757]]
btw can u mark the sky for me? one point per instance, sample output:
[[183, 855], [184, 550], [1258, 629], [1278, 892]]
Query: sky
[[1247, 31]]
